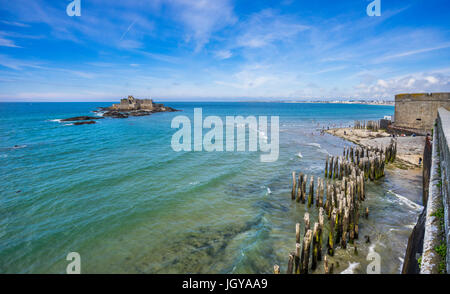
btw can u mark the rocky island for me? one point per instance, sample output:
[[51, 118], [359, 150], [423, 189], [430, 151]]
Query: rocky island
[[127, 107], [134, 107]]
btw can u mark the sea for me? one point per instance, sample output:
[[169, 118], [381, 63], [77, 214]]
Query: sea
[[116, 192]]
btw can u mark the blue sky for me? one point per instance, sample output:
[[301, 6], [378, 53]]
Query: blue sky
[[222, 49]]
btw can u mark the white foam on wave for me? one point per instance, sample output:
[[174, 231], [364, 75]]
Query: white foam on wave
[[314, 144], [3, 155], [269, 191], [406, 201], [194, 183], [324, 151], [299, 155], [352, 266], [55, 120], [19, 146], [68, 124]]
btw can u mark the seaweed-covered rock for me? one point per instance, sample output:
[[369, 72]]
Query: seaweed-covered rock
[[80, 118]]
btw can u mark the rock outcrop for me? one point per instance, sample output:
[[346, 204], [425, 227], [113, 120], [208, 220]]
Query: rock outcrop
[[89, 122], [127, 107], [80, 118], [134, 107]]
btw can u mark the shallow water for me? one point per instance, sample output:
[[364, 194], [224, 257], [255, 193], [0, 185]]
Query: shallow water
[[120, 196]]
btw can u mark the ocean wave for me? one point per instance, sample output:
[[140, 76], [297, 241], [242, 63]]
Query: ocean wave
[[324, 151], [269, 191], [315, 145], [3, 155], [55, 120], [352, 266], [299, 155], [406, 201], [19, 146]]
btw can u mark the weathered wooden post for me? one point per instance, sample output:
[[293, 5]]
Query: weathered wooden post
[[336, 166], [326, 166], [367, 212], [345, 228], [297, 233], [325, 265], [290, 267], [276, 269], [304, 188], [307, 221], [315, 246], [299, 187], [331, 233], [321, 223], [311, 191], [297, 258], [294, 184], [306, 251], [319, 194], [372, 169]]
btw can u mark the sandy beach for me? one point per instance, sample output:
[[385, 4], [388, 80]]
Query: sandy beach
[[410, 149]]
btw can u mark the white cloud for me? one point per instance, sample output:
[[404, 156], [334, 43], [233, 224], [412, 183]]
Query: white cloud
[[421, 83], [267, 27], [412, 52], [202, 18], [8, 43], [223, 54]]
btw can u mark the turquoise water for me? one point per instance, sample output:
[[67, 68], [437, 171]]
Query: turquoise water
[[117, 193]]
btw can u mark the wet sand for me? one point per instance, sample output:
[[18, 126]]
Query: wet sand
[[409, 149]]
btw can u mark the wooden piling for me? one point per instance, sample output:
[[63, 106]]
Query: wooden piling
[[290, 267], [311, 191], [297, 233], [331, 233], [315, 246], [321, 223], [307, 221], [325, 265], [297, 258], [294, 184], [304, 189], [306, 251]]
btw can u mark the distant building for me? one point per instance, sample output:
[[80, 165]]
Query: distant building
[[132, 103], [417, 112]]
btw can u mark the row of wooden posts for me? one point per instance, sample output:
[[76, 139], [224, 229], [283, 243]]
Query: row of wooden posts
[[341, 206], [370, 160], [339, 198], [373, 125]]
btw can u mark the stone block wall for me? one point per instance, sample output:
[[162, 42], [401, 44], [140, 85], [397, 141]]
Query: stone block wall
[[419, 111]]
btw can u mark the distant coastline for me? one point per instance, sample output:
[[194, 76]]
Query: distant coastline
[[381, 103]]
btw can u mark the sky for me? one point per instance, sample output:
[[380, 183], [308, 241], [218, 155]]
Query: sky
[[224, 50]]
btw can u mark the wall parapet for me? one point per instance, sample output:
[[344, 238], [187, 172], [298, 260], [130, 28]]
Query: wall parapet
[[438, 197], [443, 126]]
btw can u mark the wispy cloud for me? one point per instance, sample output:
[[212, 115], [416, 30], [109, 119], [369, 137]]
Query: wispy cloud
[[15, 24], [8, 43], [202, 18], [266, 28], [412, 52], [223, 54]]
